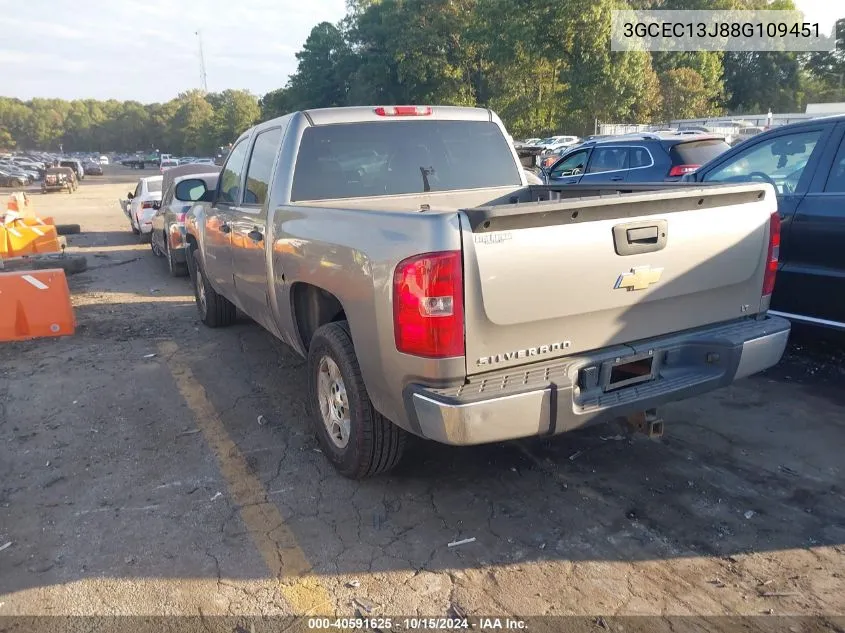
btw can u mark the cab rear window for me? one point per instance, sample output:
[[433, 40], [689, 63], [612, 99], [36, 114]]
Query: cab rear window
[[353, 160]]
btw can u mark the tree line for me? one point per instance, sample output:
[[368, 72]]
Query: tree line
[[191, 124], [542, 65]]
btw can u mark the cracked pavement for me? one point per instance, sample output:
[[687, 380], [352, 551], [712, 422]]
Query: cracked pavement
[[120, 495]]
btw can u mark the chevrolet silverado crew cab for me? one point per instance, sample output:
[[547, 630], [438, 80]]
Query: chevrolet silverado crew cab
[[400, 250]]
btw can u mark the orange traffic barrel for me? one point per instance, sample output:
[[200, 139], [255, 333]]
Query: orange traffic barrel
[[34, 304]]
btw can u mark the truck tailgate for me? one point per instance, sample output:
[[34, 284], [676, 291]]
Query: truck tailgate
[[556, 278]]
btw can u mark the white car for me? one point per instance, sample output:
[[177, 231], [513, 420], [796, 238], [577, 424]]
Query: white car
[[167, 163], [204, 161], [104, 160], [138, 206]]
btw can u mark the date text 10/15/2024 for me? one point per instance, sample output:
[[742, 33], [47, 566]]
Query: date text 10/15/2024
[[418, 623]]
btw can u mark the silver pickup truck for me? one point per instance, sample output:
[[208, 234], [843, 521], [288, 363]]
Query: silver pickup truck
[[432, 291]]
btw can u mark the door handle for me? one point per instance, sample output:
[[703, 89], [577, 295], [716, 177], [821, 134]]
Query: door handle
[[255, 235], [225, 228], [644, 235], [617, 178]]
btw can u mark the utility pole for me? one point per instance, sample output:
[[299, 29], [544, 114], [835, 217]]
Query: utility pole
[[202, 63]]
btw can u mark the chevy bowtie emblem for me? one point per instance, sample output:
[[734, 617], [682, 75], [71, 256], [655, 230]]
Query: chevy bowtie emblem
[[639, 278]]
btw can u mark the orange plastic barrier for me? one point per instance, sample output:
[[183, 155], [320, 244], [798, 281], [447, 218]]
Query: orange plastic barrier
[[23, 239], [21, 203], [35, 304]]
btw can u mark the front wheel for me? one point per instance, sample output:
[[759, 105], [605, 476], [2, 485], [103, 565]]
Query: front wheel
[[356, 438]]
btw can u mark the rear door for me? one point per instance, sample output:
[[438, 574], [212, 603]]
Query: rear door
[[249, 226], [218, 225], [607, 164], [570, 168], [812, 283]]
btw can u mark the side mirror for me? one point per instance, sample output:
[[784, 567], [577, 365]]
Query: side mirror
[[130, 195], [191, 190]]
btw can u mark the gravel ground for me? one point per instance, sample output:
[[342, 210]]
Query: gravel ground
[[135, 479]]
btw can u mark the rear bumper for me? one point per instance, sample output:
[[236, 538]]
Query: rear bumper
[[554, 397]]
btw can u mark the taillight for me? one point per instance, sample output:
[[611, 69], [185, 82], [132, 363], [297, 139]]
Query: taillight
[[773, 254], [147, 204], [403, 110], [680, 170], [181, 217], [428, 305]]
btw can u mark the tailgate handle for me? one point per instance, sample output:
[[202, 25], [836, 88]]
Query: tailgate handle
[[647, 235], [634, 238]]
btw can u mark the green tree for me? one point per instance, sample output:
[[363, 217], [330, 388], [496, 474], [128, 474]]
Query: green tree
[[192, 125], [6, 140], [276, 103], [322, 73], [236, 111], [685, 94]]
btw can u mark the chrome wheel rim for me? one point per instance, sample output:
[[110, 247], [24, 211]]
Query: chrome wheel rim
[[334, 404], [201, 292]]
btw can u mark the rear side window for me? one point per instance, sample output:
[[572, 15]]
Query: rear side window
[[639, 157], [608, 159], [697, 152], [399, 157], [261, 166], [153, 186]]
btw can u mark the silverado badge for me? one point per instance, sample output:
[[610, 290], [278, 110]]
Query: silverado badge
[[639, 278]]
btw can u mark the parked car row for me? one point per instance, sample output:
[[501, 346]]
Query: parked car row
[[158, 206], [804, 162]]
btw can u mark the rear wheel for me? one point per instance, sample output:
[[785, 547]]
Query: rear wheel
[[215, 310], [177, 269], [356, 438]]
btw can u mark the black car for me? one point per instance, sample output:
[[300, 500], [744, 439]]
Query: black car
[[92, 169], [805, 163], [647, 157]]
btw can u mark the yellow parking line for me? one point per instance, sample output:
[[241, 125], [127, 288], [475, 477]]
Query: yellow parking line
[[274, 540]]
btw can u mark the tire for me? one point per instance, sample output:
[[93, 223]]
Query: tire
[[177, 269], [215, 310], [154, 247], [71, 264], [68, 229], [373, 444], [136, 231]]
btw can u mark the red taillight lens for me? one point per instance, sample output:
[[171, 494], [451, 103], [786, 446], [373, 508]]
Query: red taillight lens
[[680, 170], [772, 257], [403, 110], [428, 305], [147, 205]]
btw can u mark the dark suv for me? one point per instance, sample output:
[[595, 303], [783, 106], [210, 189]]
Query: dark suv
[[648, 157]]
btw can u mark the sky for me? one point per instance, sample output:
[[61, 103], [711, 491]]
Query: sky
[[148, 50]]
